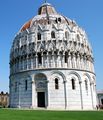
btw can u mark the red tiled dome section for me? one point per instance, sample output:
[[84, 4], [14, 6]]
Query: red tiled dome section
[[26, 26], [47, 9]]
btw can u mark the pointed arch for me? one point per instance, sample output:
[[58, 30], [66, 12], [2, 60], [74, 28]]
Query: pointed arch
[[54, 27], [39, 28]]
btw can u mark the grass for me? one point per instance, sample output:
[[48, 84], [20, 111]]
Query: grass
[[10, 114]]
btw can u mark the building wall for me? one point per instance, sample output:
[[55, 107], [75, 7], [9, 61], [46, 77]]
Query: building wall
[[20, 97], [63, 98], [51, 49]]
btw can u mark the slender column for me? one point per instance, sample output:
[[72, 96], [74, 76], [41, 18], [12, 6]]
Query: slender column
[[20, 64], [63, 62], [78, 61], [47, 60], [82, 65], [19, 97], [44, 56], [53, 62], [23, 63], [57, 59], [85, 64], [42, 59], [69, 60], [36, 57], [91, 94], [32, 62], [33, 92], [46, 94], [81, 96], [88, 59], [65, 94], [92, 67], [74, 60], [27, 62]]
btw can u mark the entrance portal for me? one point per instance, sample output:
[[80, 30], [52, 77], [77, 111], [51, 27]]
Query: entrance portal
[[41, 99], [102, 101]]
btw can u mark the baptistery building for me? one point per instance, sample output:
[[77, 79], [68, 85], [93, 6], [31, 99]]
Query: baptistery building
[[52, 64]]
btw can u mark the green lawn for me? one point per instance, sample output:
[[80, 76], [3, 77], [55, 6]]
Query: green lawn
[[10, 114]]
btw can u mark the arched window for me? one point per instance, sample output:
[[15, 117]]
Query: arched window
[[56, 83], [26, 85], [66, 35], [73, 84], [39, 58], [66, 57], [86, 85], [52, 34], [39, 36]]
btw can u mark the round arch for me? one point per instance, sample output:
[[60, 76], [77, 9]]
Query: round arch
[[60, 73], [88, 76], [38, 76], [76, 74]]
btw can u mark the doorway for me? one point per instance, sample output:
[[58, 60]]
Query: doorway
[[102, 101], [41, 99]]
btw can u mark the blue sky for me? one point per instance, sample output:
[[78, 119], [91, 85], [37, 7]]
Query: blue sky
[[14, 13]]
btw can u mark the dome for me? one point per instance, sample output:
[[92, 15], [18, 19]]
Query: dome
[[51, 32], [47, 15], [52, 64]]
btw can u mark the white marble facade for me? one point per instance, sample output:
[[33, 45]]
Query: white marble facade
[[52, 64]]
